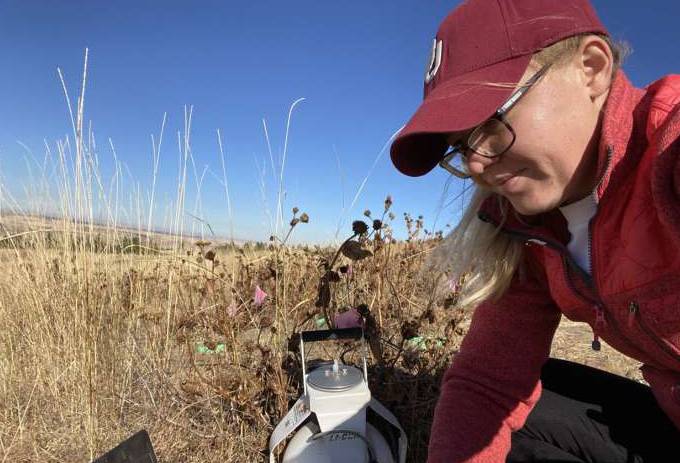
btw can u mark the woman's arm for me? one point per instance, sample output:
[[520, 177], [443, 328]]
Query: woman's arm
[[493, 382]]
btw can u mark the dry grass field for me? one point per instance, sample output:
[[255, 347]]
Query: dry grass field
[[100, 339]]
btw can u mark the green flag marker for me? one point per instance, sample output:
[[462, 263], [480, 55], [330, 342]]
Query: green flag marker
[[201, 348]]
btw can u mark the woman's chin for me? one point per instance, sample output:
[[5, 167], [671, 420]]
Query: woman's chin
[[527, 206]]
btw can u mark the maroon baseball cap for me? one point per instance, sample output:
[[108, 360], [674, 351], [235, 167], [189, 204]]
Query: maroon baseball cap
[[479, 43]]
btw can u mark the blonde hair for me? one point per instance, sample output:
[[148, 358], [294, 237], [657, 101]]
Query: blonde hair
[[561, 51], [477, 259]]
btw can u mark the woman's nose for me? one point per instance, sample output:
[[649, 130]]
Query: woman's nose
[[476, 163]]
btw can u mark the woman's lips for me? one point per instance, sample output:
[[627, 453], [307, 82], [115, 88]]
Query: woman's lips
[[502, 180]]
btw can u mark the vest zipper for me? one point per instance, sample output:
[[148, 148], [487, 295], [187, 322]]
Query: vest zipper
[[601, 319], [595, 345], [633, 314], [600, 315]]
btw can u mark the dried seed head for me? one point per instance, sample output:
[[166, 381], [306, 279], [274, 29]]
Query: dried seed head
[[294, 222], [304, 218], [377, 225], [359, 227], [367, 213], [295, 210], [391, 216], [388, 202], [210, 255], [354, 251]]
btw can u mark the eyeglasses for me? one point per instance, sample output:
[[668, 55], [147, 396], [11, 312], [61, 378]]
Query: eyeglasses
[[491, 138]]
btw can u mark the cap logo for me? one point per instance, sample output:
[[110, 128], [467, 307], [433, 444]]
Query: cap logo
[[435, 61]]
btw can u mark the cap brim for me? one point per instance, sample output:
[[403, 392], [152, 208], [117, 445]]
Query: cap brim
[[455, 105]]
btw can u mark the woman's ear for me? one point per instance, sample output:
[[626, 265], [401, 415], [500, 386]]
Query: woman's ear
[[595, 63]]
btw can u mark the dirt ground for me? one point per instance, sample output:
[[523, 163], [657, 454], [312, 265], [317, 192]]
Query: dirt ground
[[573, 342]]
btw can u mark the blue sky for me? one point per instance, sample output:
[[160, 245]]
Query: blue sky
[[358, 64]]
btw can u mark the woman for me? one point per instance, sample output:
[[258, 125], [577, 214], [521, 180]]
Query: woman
[[576, 212]]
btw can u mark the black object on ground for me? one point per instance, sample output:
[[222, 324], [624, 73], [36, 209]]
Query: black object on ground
[[136, 449]]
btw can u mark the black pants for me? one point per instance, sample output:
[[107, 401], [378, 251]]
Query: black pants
[[589, 415]]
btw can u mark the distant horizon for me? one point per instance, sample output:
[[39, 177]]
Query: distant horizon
[[218, 238]]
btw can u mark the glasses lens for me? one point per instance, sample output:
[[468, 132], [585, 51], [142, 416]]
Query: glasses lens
[[455, 163], [491, 138]]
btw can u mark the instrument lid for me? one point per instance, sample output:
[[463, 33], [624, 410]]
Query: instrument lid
[[334, 378]]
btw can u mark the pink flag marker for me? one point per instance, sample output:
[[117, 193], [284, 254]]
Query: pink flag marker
[[260, 296], [348, 319]]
